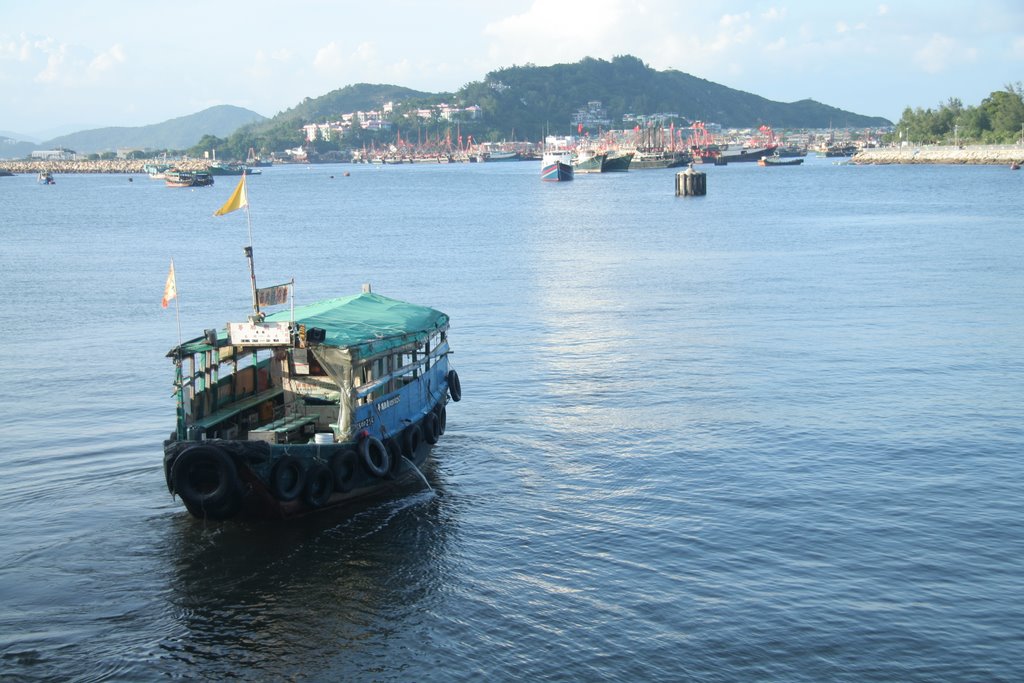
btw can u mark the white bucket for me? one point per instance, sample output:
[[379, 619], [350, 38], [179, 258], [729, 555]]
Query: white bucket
[[323, 437]]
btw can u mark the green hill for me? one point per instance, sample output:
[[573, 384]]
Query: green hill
[[179, 133], [533, 99]]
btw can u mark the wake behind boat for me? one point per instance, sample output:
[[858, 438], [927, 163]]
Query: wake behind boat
[[308, 408]]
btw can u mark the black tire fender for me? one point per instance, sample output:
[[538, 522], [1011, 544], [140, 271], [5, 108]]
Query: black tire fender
[[343, 467], [411, 438], [431, 428], [207, 480], [288, 478], [454, 385], [319, 485], [375, 456]]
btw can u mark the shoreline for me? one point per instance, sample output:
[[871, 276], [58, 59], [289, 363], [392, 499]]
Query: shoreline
[[1000, 155]]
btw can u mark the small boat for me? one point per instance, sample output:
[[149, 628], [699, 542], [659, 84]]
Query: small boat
[[309, 408], [1014, 166], [556, 166], [45, 178], [4, 173], [777, 161], [176, 178]]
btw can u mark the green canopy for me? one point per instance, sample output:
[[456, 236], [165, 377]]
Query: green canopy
[[367, 323]]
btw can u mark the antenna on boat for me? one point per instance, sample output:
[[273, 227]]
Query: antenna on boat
[[240, 199]]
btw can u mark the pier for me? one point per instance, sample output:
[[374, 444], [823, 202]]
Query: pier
[[941, 154]]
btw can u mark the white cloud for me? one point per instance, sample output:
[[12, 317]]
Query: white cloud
[[883, 10], [328, 58], [936, 54], [106, 61]]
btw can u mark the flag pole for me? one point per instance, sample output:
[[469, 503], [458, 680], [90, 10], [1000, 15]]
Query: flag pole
[[248, 253]]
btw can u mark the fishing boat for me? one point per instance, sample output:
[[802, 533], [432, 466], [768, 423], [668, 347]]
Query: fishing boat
[[176, 178], [556, 166], [732, 154], [45, 178], [308, 408], [777, 161], [588, 161], [617, 162], [218, 168], [659, 159]]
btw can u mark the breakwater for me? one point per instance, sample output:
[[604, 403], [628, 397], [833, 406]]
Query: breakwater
[[941, 154], [99, 166]]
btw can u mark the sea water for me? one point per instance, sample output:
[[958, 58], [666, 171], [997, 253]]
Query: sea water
[[773, 433]]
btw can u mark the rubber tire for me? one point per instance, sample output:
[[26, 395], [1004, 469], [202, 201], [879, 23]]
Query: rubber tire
[[343, 467], [431, 428], [369, 448], [190, 477], [411, 439], [319, 486], [288, 478], [442, 419], [454, 385], [394, 447]]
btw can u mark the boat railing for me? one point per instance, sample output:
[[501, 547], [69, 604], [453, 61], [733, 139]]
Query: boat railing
[[363, 390]]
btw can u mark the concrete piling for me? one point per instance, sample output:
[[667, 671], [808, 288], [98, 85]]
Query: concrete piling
[[691, 183]]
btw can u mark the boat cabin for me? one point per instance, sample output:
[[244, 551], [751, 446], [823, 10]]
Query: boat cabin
[[337, 368]]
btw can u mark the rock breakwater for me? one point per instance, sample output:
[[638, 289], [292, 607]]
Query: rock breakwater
[[107, 166], [941, 154]]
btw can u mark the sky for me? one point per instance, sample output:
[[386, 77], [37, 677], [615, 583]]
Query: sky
[[73, 65]]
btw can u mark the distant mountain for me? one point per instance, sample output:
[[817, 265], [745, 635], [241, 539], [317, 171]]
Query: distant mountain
[[179, 133], [532, 99], [11, 148]]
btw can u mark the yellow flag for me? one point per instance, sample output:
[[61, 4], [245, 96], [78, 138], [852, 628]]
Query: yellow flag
[[170, 288], [237, 200]]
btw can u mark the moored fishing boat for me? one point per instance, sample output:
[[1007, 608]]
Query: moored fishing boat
[[177, 178], [617, 162], [218, 168], [659, 159], [588, 161], [308, 408], [556, 166]]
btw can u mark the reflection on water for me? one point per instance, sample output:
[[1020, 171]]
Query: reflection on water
[[276, 598]]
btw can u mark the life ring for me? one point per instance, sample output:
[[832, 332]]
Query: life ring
[[411, 439], [454, 386], [319, 485], [375, 456], [431, 428], [207, 480], [343, 467], [288, 478]]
